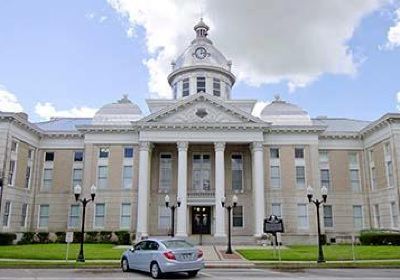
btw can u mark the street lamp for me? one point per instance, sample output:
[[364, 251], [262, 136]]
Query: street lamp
[[229, 209], [172, 207], [84, 201], [317, 203]]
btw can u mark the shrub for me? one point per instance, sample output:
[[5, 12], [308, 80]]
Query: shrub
[[27, 238], [77, 237], [60, 237], [379, 237], [7, 238], [91, 237], [105, 236], [124, 237], [43, 237]]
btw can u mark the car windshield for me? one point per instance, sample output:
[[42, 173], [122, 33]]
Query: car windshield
[[173, 244]]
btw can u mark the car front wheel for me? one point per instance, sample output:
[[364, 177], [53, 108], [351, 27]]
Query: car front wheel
[[155, 270], [125, 265]]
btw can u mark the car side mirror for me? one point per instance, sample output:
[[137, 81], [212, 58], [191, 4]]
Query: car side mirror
[[132, 249]]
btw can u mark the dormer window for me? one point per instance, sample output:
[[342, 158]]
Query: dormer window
[[185, 87], [216, 87], [201, 84]]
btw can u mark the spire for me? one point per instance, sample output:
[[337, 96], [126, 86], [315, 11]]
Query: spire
[[201, 29]]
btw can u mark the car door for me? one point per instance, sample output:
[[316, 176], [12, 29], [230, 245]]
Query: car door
[[134, 258], [148, 254]]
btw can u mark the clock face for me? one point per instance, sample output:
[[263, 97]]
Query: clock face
[[200, 52]]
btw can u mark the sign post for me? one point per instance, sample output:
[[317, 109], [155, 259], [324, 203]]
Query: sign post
[[274, 225], [69, 237]]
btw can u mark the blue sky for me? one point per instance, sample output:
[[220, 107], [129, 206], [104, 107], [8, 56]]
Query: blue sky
[[73, 54]]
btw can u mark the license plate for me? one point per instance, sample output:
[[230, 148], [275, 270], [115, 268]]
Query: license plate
[[186, 256]]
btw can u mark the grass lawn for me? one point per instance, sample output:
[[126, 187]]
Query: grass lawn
[[58, 251], [331, 253]]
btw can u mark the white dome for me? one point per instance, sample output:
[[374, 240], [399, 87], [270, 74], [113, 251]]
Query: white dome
[[121, 113], [280, 112]]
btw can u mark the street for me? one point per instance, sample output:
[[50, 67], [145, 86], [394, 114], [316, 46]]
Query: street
[[111, 274]]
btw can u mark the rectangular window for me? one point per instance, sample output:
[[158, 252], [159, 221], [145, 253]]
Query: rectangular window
[[185, 87], [216, 87], [389, 171], [353, 158], [274, 153], [73, 219], [14, 146], [325, 178], [164, 217], [47, 178], [237, 216], [323, 156], [11, 173], [175, 90], [127, 176], [99, 215], [28, 177], [394, 211], [302, 216], [78, 156], [355, 180], [24, 214], [276, 210], [77, 175], [49, 156], [6, 215], [128, 152], [102, 177], [299, 153], [357, 217], [373, 178], [201, 84], [275, 177], [125, 215], [300, 176], [44, 215], [30, 154], [237, 172], [165, 173], [104, 152], [328, 216], [201, 172], [377, 217]]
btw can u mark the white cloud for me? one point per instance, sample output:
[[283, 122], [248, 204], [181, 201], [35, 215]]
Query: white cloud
[[398, 100], [393, 34], [8, 101], [268, 41], [47, 110], [260, 105], [103, 19]]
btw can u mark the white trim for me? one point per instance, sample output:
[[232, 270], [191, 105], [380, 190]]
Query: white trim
[[130, 215], [307, 216], [48, 217], [69, 226], [94, 215]]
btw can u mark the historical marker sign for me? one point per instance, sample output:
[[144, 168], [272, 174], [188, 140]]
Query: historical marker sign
[[273, 224]]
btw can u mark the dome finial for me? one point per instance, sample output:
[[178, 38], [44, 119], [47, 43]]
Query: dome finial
[[201, 29], [124, 99]]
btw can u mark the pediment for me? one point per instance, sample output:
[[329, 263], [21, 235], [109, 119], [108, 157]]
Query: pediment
[[201, 108]]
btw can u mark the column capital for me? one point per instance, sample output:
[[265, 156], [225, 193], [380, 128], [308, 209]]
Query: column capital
[[257, 146], [219, 146], [182, 146], [145, 146]]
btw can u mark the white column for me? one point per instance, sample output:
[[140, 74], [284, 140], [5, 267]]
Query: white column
[[258, 187], [181, 228], [219, 189], [143, 190]]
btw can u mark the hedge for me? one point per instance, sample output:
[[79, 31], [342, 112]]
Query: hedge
[[7, 238], [379, 237]]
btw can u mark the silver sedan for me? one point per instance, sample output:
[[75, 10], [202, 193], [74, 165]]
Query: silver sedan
[[163, 256]]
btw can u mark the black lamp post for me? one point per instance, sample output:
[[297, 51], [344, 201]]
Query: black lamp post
[[84, 201], [172, 207], [229, 209], [317, 203]]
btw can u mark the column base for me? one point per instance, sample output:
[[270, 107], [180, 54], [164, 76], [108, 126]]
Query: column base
[[181, 234]]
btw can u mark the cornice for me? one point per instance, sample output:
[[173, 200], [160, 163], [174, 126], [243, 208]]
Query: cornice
[[188, 69], [201, 126]]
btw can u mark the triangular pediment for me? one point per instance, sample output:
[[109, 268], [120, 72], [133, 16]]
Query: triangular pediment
[[201, 108]]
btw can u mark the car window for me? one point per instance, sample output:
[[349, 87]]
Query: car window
[[153, 246], [172, 244], [140, 245]]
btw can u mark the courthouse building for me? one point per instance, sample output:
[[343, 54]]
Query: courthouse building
[[200, 146]]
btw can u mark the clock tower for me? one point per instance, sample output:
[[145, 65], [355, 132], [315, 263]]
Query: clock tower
[[201, 68]]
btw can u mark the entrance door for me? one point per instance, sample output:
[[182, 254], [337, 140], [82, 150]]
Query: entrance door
[[201, 220]]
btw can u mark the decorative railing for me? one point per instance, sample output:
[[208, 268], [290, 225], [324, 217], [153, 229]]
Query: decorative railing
[[200, 193]]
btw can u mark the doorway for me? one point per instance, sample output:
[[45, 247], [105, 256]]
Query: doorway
[[201, 220]]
